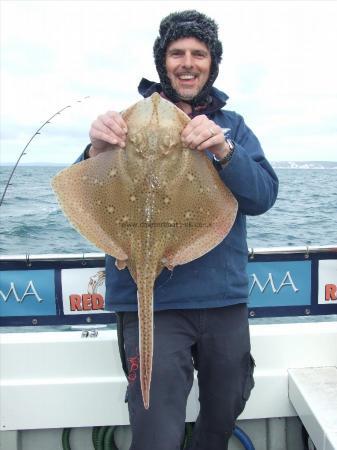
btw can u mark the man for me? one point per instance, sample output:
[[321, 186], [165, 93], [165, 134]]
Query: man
[[200, 318]]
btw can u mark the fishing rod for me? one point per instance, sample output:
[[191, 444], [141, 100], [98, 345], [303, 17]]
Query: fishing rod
[[30, 140]]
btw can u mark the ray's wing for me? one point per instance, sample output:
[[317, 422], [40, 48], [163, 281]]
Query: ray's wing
[[201, 213], [95, 198]]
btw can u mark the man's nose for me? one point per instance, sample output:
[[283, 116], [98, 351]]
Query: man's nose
[[188, 60]]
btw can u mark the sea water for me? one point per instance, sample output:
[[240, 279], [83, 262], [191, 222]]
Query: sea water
[[31, 221]]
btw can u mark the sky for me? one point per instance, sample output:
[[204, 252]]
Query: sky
[[279, 70]]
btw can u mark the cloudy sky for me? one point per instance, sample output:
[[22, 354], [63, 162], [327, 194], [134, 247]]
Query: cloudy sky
[[279, 70]]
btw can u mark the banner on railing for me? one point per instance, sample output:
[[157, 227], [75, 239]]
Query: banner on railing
[[65, 291]]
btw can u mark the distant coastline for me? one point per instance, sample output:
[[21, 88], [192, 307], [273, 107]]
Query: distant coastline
[[331, 165]]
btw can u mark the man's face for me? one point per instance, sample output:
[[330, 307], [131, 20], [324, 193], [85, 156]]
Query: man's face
[[188, 63]]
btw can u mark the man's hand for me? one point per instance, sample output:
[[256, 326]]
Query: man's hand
[[202, 133], [108, 129]]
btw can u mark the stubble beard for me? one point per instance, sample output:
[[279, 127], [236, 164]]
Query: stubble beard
[[186, 95]]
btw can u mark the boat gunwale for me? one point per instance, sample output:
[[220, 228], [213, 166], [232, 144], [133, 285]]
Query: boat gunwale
[[100, 256]]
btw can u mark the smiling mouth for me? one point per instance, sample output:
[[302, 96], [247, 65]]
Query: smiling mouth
[[187, 82], [186, 76]]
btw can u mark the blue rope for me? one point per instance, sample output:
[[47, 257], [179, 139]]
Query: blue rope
[[243, 438]]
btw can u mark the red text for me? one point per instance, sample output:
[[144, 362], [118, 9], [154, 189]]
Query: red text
[[330, 292], [86, 302]]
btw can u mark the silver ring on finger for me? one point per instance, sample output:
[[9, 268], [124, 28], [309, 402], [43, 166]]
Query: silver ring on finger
[[211, 131]]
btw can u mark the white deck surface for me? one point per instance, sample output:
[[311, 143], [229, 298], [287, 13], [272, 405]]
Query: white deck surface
[[313, 393]]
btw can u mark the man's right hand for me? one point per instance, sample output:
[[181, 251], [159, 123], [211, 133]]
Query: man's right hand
[[108, 129]]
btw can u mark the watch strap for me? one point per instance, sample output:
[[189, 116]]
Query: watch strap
[[229, 155]]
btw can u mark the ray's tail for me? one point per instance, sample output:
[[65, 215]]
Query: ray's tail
[[145, 316]]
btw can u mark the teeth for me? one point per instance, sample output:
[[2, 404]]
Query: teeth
[[186, 77]]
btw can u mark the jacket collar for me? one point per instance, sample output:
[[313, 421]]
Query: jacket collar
[[146, 88]]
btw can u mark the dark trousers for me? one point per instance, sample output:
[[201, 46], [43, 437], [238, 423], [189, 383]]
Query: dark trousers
[[214, 341]]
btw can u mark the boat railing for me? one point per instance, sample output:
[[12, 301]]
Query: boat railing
[[58, 289]]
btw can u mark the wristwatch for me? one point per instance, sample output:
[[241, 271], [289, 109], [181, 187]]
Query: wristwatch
[[229, 155]]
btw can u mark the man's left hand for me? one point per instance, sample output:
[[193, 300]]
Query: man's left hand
[[202, 133]]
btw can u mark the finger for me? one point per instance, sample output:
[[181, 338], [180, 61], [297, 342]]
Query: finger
[[112, 125], [194, 123], [198, 131], [208, 143], [119, 120], [100, 136], [100, 132], [202, 134], [100, 127], [190, 137], [208, 132]]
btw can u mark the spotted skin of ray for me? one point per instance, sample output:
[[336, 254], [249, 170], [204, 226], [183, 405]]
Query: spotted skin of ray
[[152, 205]]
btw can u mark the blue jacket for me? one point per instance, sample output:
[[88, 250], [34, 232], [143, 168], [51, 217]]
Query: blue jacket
[[218, 278]]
